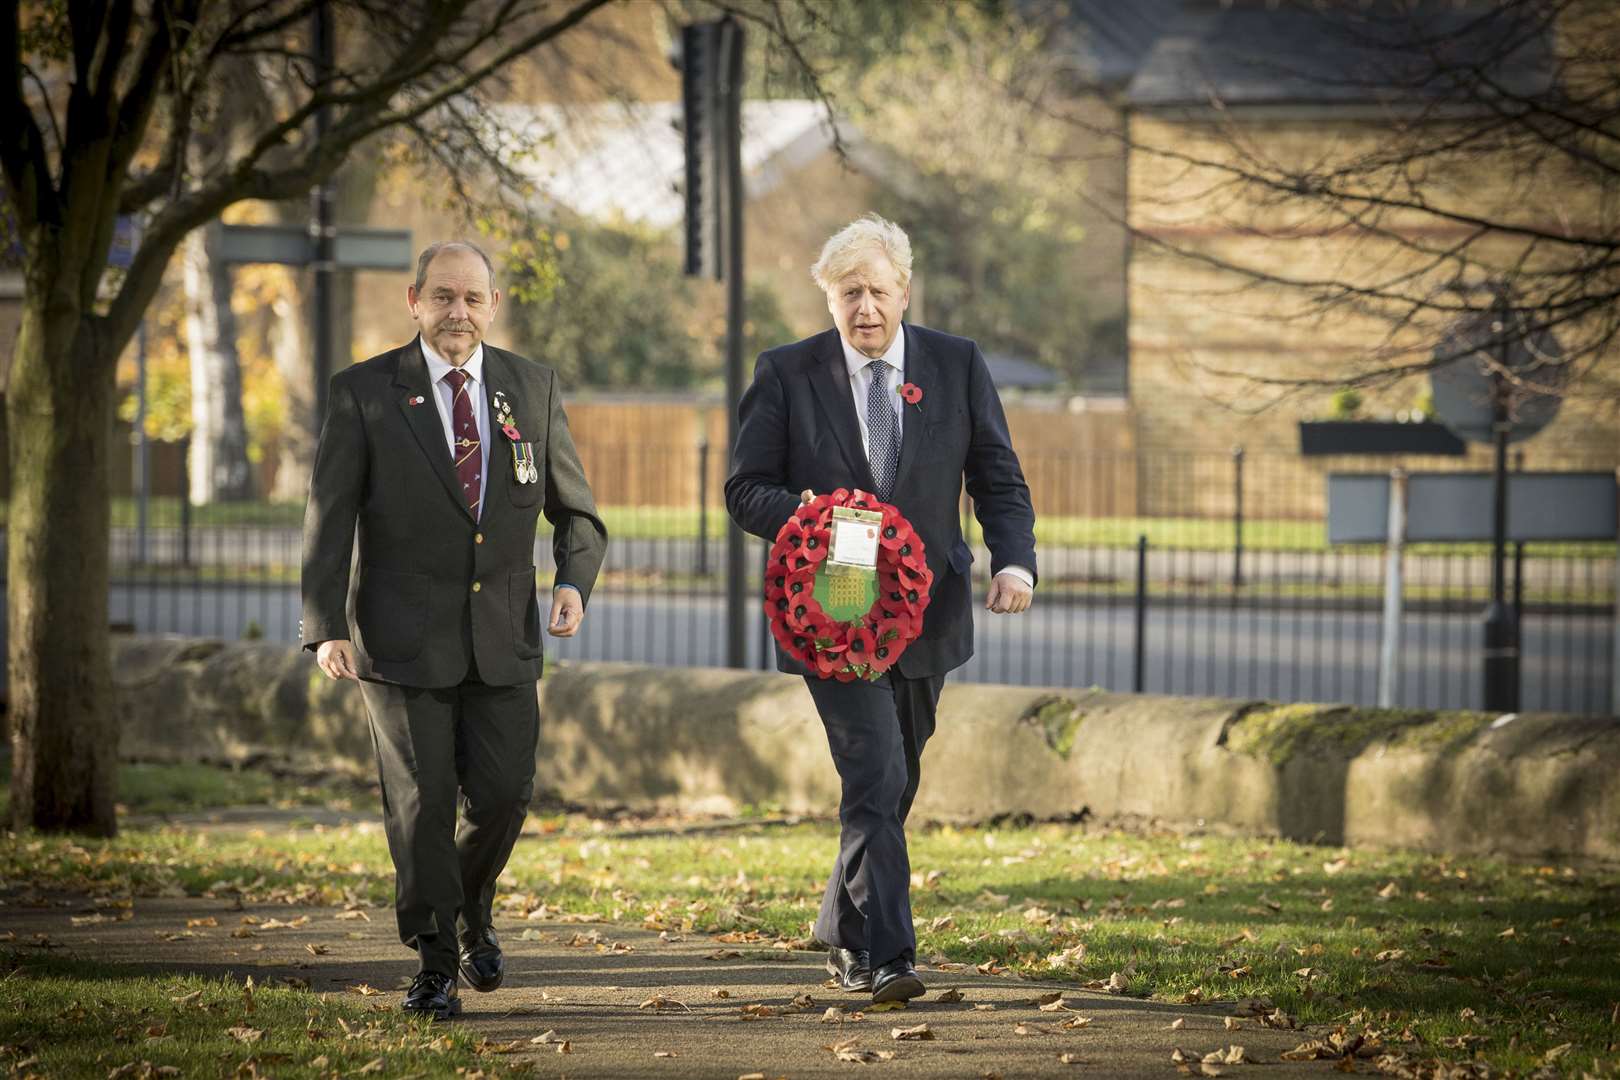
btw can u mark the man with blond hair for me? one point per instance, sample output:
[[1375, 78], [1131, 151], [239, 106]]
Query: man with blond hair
[[825, 413]]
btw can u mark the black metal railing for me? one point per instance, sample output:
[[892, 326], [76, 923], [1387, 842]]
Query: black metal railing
[[1181, 574]]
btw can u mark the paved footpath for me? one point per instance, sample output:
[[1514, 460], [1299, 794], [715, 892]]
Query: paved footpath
[[630, 1004]]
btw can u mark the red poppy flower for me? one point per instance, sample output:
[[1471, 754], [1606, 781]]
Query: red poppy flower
[[861, 644], [883, 657], [815, 547], [895, 533], [911, 392]]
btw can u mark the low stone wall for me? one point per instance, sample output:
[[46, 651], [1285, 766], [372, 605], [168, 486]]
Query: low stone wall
[[718, 740]]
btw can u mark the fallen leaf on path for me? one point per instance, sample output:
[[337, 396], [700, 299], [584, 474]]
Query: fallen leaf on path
[[1068, 1059], [548, 1037], [659, 1001], [1074, 1022], [920, 1031], [721, 992], [316, 949], [206, 920], [1178, 1023], [353, 913], [364, 990], [1231, 1023], [665, 1053], [886, 1006], [724, 954], [949, 996]]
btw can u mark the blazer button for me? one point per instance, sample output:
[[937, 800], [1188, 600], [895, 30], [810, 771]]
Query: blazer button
[[478, 538], [477, 585]]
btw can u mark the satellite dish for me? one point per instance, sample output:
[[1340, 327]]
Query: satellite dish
[[1465, 389]]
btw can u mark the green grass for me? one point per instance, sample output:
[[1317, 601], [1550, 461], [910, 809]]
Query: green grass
[[659, 522], [1447, 957], [62, 1017], [177, 789]]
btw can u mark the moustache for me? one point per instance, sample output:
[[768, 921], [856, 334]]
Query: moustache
[[468, 327]]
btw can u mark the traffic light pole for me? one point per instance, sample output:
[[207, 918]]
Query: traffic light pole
[[320, 223], [1501, 622], [731, 73]]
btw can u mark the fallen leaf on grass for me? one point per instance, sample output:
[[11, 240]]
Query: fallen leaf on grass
[[187, 999], [245, 1034], [920, 1031], [1389, 955]]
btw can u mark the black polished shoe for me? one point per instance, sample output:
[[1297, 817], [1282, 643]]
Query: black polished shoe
[[851, 967], [896, 981], [433, 995], [482, 964]]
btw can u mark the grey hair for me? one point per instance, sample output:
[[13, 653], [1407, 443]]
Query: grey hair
[[846, 249], [439, 247]]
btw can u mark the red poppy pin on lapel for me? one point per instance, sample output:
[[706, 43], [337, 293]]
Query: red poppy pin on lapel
[[911, 393]]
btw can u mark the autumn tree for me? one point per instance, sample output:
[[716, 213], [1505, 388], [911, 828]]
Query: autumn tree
[[105, 103]]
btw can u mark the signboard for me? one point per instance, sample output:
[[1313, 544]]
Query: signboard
[[353, 247], [1456, 507]]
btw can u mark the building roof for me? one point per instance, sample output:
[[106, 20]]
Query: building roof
[[1011, 372], [625, 161], [1110, 40], [1248, 53]]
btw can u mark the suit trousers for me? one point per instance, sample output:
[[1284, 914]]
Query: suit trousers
[[470, 745], [876, 731]]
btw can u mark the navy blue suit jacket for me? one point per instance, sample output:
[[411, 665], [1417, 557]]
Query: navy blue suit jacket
[[799, 429]]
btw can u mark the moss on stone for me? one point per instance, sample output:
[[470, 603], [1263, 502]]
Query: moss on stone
[[1059, 720], [1277, 733]]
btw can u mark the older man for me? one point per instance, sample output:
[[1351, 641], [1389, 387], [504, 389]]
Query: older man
[[825, 413], [442, 454]]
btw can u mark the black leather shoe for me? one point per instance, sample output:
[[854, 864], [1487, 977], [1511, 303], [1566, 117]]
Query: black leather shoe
[[434, 995], [482, 964], [896, 981], [851, 967]]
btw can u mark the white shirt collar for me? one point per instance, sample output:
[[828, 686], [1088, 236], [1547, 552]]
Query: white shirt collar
[[895, 355], [439, 367]]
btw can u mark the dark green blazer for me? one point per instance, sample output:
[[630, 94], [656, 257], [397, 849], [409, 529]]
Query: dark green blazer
[[431, 588]]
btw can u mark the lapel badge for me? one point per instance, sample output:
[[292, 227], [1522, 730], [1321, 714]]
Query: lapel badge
[[416, 400]]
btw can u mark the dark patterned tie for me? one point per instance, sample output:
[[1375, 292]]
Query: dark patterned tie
[[882, 431], [469, 466]]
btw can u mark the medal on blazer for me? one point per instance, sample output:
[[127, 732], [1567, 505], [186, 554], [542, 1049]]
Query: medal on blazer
[[524, 470]]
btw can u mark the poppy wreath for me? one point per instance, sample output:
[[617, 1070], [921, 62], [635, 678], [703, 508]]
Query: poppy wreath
[[864, 648]]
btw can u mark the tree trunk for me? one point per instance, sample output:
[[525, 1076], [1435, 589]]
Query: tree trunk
[[219, 461], [59, 408]]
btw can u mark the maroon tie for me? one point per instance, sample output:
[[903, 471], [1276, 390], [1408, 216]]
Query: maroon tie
[[462, 422]]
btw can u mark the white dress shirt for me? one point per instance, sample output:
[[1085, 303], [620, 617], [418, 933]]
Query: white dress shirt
[[444, 396], [860, 383]]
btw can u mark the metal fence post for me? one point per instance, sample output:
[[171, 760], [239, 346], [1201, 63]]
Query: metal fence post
[[185, 500], [1237, 517], [1389, 653], [1139, 664], [703, 506]]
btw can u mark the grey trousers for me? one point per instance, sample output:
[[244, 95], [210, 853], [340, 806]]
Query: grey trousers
[[876, 732], [469, 747]]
